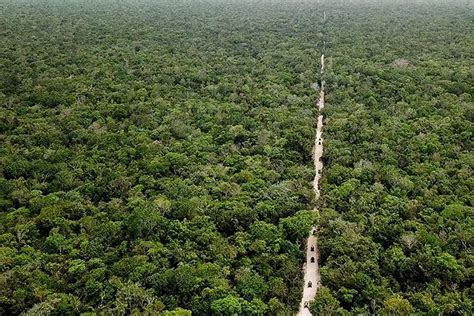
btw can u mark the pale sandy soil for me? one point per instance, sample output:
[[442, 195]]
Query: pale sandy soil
[[311, 269]]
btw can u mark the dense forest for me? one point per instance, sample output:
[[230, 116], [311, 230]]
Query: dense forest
[[156, 156], [397, 224]]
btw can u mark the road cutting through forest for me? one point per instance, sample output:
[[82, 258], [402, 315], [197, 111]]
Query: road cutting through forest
[[312, 278]]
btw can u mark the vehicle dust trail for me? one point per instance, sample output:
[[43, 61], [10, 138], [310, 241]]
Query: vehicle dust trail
[[311, 267]]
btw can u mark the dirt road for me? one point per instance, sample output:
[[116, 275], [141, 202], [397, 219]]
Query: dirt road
[[322, 64], [311, 266]]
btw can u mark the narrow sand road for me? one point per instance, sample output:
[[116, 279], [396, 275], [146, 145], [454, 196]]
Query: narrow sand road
[[322, 67], [311, 267]]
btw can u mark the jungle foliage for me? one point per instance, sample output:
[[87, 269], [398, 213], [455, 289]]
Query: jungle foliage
[[397, 226], [156, 156]]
